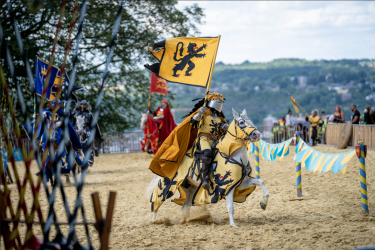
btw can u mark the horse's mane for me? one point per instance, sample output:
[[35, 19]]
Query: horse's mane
[[200, 104]]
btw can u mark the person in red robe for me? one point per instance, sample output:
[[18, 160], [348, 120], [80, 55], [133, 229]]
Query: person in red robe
[[165, 120]]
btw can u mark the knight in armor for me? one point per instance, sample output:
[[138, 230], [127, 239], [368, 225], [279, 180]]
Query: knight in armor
[[212, 129], [183, 139], [164, 119], [57, 133], [82, 110]]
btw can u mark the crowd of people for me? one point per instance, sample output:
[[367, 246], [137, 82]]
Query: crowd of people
[[367, 118], [287, 126]]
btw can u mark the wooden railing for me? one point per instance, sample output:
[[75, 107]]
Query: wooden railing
[[365, 133]]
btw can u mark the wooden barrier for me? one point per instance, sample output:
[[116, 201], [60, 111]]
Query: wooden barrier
[[365, 133], [333, 132]]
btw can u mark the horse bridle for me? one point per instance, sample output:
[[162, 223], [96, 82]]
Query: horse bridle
[[235, 136]]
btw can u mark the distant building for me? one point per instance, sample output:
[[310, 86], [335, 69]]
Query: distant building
[[302, 81], [269, 120], [346, 97]]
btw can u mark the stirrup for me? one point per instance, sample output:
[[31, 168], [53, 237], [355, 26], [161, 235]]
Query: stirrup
[[206, 184]]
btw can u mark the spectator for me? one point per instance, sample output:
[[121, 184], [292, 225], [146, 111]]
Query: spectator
[[314, 120], [282, 121], [282, 129], [367, 118], [275, 132], [289, 119], [362, 118], [356, 114], [289, 123], [338, 115], [372, 115]]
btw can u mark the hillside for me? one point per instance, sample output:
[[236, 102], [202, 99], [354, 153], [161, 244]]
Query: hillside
[[260, 87]]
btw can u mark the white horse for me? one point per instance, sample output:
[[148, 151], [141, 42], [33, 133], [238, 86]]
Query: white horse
[[241, 128]]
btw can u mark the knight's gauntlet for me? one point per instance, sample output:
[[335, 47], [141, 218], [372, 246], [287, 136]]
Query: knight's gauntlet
[[159, 117], [224, 127], [198, 116]]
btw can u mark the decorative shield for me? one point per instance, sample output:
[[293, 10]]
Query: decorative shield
[[358, 151]]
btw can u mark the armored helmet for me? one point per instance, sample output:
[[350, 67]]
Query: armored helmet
[[164, 103], [215, 101], [84, 105]]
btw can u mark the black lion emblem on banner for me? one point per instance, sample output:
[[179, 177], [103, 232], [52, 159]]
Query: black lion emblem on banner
[[193, 51]]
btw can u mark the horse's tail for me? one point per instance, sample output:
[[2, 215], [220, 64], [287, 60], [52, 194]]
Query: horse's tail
[[151, 187], [181, 50]]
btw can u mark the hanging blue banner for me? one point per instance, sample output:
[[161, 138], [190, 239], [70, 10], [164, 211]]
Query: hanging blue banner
[[17, 154], [41, 68]]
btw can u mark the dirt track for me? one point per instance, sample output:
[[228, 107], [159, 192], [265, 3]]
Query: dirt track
[[328, 218]]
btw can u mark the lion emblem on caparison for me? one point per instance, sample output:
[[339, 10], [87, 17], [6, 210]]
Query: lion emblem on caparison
[[193, 51]]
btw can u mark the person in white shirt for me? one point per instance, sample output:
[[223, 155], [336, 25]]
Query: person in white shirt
[[289, 123], [289, 119]]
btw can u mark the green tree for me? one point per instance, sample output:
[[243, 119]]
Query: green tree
[[143, 22]]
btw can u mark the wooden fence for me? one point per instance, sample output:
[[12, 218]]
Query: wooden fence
[[365, 133]]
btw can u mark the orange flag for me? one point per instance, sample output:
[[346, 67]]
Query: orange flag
[[158, 85]]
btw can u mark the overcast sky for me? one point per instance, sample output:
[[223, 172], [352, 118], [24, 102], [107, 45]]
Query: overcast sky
[[263, 31]]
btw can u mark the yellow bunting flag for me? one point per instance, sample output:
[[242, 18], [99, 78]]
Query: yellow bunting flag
[[186, 60]]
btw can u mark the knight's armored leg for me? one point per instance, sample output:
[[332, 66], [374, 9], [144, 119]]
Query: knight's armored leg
[[206, 158], [190, 68]]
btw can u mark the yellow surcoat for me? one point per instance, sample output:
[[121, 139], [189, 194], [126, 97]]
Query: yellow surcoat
[[212, 125], [314, 121]]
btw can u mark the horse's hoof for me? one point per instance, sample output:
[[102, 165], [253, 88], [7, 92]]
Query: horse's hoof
[[262, 205], [234, 227]]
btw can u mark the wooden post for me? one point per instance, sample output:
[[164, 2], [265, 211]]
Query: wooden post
[[4, 226], [103, 226]]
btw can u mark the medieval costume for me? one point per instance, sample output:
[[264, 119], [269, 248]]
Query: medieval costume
[[83, 110], [166, 161], [314, 121], [151, 132], [226, 172], [56, 137], [164, 119]]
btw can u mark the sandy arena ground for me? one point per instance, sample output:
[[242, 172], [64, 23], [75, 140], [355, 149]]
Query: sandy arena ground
[[329, 217]]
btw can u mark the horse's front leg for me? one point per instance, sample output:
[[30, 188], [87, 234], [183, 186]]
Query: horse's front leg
[[188, 201], [154, 215], [230, 207], [257, 182]]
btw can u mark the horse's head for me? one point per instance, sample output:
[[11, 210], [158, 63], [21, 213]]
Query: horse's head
[[143, 120], [243, 128]]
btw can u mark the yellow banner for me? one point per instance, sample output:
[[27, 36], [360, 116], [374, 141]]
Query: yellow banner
[[186, 60]]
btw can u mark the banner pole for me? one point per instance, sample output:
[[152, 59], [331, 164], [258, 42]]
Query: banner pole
[[297, 139], [298, 171], [257, 169], [205, 100], [362, 171], [149, 101]]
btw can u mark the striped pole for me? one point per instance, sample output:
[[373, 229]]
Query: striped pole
[[361, 151], [299, 179], [257, 170], [298, 170]]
